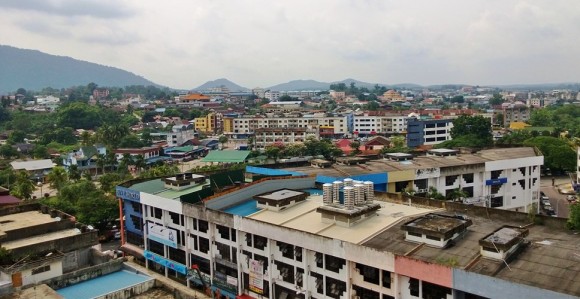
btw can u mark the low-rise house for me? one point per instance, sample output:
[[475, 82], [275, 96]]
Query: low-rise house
[[37, 169]]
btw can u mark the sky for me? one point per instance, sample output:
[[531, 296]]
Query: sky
[[183, 44]]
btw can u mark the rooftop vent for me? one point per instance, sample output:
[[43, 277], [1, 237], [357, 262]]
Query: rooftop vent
[[399, 156], [183, 181], [280, 199], [436, 230], [503, 242], [442, 152]]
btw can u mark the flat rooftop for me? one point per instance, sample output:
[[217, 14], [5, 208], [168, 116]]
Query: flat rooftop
[[552, 261], [157, 187], [304, 217], [420, 162], [22, 220], [280, 194], [10, 245]]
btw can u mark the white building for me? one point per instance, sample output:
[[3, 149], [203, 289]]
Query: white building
[[287, 136], [272, 95], [385, 124]]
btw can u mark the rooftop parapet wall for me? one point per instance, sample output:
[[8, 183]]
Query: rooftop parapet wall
[[67, 244]]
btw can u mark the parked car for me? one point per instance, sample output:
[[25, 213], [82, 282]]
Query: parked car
[[551, 213], [545, 202], [571, 198], [543, 196]]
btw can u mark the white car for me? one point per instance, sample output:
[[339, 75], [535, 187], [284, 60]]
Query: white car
[[546, 203], [571, 198]]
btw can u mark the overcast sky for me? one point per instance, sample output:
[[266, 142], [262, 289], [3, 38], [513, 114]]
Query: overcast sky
[[182, 44]]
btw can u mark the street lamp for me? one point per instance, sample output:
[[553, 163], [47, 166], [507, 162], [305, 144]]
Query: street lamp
[[39, 183]]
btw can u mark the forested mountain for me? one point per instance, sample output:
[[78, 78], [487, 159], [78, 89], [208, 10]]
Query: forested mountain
[[34, 70]]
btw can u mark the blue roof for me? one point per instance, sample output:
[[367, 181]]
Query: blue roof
[[272, 172]]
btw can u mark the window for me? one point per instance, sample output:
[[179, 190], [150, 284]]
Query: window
[[260, 242], [414, 234], [414, 287], [41, 269], [156, 213], [370, 274], [174, 217], [203, 226], [450, 180], [334, 264], [248, 239], [433, 238], [386, 279], [223, 231], [435, 291], [203, 245], [497, 202], [468, 178]]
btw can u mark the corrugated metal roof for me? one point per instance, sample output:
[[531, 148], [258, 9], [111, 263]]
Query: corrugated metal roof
[[226, 156]]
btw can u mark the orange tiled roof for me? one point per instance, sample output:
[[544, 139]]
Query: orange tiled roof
[[196, 97]]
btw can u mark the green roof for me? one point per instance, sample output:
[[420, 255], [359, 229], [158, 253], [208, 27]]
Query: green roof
[[226, 156]]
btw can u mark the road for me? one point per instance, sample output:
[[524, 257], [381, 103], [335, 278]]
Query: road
[[557, 200]]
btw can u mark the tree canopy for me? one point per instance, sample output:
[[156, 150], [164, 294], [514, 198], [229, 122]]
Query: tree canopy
[[558, 155], [469, 131]]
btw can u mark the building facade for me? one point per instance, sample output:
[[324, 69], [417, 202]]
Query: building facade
[[428, 132], [286, 246]]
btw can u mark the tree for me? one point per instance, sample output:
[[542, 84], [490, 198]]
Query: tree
[[558, 155], [110, 180], [497, 99], [16, 136], [40, 151], [74, 173], [7, 151], [355, 146], [131, 141], [57, 177], [541, 118], [286, 98], [223, 140], [23, 187], [140, 163], [457, 194], [398, 141], [272, 151], [472, 131], [458, 99], [86, 138], [574, 217]]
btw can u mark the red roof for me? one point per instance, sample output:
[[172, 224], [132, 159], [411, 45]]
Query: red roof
[[9, 200]]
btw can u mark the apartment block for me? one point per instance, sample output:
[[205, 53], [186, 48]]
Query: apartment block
[[428, 132], [376, 124]]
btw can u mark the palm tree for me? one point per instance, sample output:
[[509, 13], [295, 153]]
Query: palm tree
[[58, 177], [140, 163], [74, 173], [101, 162], [457, 194], [86, 138], [223, 139], [23, 187]]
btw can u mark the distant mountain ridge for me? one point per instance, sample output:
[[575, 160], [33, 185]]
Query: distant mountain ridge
[[34, 70], [222, 82]]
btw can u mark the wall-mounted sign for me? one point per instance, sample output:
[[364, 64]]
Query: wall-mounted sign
[[126, 193], [495, 182], [256, 277], [177, 267], [161, 234]]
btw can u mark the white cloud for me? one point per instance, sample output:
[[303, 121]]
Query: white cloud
[[259, 43]]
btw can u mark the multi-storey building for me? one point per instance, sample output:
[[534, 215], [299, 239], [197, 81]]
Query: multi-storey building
[[507, 179], [515, 113], [328, 126], [428, 132], [272, 95], [266, 136], [278, 238], [379, 124], [212, 123], [259, 92]]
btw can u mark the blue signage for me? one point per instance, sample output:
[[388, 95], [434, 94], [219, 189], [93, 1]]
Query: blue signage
[[126, 193], [165, 262], [495, 182]]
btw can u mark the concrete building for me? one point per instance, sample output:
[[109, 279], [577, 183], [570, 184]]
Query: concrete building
[[259, 92], [267, 136], [41, 244], [428, 132], [212, 123], [277, 238], [283, 107], [515, 113], [366, 124], [272, 95], [328, 126], [507, 179]]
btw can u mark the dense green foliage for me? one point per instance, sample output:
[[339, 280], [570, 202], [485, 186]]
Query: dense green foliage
[[558, 155], [574, 217], [562, 118], [469, 131]]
